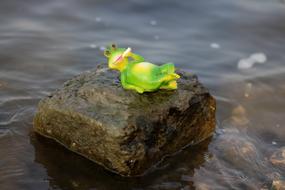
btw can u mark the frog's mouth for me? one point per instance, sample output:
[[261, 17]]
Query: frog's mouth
[[116, 61], [122, 56]]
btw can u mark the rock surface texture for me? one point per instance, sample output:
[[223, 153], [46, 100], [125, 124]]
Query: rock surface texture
[[122, 130]]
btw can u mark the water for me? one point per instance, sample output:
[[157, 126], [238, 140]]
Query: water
[[44, 43]]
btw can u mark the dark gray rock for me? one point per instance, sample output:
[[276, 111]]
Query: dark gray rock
[[122, 130]]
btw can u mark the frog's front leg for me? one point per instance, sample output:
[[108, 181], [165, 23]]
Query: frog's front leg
[[130, 86], [135, 57]]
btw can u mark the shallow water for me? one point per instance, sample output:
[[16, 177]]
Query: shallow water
[[44, 43]]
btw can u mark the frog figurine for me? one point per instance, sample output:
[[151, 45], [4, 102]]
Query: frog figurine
[[139, 75]]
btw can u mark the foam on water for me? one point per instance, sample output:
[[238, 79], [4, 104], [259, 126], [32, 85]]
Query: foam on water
[[249, 62]]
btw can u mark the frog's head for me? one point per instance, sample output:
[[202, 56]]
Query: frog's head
[[117, 58]]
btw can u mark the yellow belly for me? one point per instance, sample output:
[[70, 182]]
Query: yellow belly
[[143, 68]]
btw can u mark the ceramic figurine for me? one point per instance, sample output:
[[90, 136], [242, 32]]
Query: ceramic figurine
[[139, 75]]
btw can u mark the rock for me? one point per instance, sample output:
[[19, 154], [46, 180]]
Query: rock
[[278, 185], [278, 158], [239, 116], [202, 186], [122, 130], [240, 152]]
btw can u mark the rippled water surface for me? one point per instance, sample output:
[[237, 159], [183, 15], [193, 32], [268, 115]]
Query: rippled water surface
[[44, 43]]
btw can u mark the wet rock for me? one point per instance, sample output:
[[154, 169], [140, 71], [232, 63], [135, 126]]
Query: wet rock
[[239, 116], [121, 130], [241, 153], [238, 151], [202, 186], [278, 158], [278, 185]]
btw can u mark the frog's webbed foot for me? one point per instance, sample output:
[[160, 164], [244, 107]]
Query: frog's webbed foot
[[172, 76], [171, 85], [139, 90]]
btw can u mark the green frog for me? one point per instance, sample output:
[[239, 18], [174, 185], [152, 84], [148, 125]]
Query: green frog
[[139, 75]]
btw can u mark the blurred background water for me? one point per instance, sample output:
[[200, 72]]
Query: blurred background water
[[236, 47]]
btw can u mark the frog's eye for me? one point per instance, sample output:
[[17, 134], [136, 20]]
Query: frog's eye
[[107, 53], [114, 46]]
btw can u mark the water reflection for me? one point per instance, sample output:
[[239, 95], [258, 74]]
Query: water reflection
[[67, 170]]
